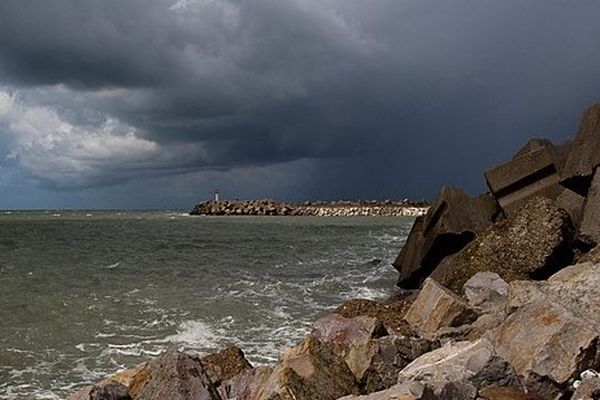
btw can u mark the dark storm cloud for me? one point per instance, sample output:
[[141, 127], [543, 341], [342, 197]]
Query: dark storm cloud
[[386, 97]]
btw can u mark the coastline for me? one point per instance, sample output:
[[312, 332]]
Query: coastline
[[317, 208]]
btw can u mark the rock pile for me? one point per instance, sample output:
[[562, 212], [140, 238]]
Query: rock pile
[[319, 209], [542, 212], [507, 305]]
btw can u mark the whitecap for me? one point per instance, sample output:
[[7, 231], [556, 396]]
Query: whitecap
[[195, 334]]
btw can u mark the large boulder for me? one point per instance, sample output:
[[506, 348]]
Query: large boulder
[[584, 155], [449, 225], [534, 171], [310, 371], [225, 364], [547, 345], [404, 391], [532, 244], [459, 364], [176, 376], [105, 390], [436, 307]]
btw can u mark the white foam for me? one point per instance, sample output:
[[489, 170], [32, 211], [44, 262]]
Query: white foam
[[195, 334]]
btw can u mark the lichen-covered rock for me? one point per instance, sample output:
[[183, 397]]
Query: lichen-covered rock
[[404, 391], [175, 376], [532, 244], [486, 291], [245, 385], [225, 364], [546, 344], [475, 363], [436, 307], [334, 328], [309, 371]]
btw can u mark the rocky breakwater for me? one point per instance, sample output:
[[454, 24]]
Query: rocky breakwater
[[505, 305], [320, 209]]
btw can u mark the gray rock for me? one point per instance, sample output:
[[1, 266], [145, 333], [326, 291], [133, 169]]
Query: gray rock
[[475, 363], [110, 391], [486, 291], [588, 388], [572, 203], [246, 384], [436, 307]]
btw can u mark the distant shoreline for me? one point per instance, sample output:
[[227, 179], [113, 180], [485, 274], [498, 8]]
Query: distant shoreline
[[311, 208]]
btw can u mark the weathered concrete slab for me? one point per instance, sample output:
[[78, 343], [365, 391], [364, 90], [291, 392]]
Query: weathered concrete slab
[[584, 155], [532, 173], [590, 223], [532, 244], [436, 307], [572, 203], [449, 225]]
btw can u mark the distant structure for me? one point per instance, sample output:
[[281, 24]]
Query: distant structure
[[217, 195]]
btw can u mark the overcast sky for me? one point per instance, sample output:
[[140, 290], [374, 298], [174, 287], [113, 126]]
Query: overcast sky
[[155, 103]]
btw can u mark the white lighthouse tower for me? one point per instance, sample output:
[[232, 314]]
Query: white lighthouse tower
[[217, 195]]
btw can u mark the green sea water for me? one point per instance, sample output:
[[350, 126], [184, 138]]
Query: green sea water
[[84, 294]]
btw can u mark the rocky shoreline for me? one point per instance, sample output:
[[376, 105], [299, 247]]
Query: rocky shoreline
[[500, 301], [319, 209]]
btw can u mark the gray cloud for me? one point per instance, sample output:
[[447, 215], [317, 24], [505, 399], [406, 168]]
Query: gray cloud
[[388, 98]]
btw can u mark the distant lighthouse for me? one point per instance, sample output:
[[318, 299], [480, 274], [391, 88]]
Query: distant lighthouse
[[217, 195]]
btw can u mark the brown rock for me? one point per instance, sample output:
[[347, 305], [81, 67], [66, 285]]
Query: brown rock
[[506, 393], [404, 391], [225, 364], [532, 244], [449, 225], [310, 371], [245, 385], [584, 155], [334, 328], [572, 203], [436, 307]]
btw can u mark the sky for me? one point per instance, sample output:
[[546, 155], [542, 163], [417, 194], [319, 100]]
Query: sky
[[157, 103]]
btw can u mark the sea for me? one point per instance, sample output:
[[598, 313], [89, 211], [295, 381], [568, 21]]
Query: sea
[[84, 294]]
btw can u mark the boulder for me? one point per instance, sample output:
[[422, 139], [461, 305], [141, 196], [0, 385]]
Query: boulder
[[246, 384], [334, 328], [173, 375], [546, 344], [404, 391], [225, 364], [584, 155], [436, 307], [535, 171], [572, 203], [506, 393], [473, 364], [532, 244], [376, 363], [486, 291], [449, 225], [588, 388], [390, 313], [590, 223], [310, 371]]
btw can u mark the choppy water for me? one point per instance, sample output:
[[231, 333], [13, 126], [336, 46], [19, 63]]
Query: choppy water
[[83, 294]]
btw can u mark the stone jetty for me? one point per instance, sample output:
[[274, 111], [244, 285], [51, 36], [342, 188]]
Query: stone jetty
[[320, 209], [500, 301]]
